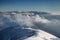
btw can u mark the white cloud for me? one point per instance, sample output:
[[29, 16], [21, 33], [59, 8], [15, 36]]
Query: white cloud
[[28, 20], [42, 20]]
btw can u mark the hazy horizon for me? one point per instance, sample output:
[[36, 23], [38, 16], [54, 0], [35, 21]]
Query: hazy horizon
[[30, 5]]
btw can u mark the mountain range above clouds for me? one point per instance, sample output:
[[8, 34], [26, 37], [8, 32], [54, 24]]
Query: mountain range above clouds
[[45, 14]]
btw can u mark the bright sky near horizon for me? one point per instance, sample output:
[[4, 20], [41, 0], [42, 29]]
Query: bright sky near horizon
[[30, 5]]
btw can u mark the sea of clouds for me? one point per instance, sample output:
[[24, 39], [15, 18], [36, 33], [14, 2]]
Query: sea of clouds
[[30, 20]]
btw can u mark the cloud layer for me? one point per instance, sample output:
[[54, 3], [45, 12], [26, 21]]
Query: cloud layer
[[35, 20]]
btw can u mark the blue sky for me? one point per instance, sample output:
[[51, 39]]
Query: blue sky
[[27, 5]]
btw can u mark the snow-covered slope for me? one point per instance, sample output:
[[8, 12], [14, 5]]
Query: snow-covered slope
[[42, 35]]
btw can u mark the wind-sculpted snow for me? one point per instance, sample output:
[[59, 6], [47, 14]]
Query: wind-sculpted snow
[[42, 35], [14, 23]]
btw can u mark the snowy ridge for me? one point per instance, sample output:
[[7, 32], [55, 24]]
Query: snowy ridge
[[42, 35]]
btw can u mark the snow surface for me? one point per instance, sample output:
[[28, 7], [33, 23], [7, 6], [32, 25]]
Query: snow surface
[[42, 35]]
